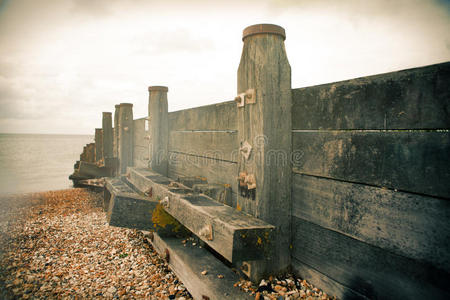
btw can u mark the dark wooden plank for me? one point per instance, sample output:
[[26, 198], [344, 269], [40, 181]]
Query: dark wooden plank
[[236, 236], [188, 262], [327, 284], [411, 161], [410, 99], [368, 270], [92, 170], [218, 145], [407, 224], [220, 116], [126, 208], [215, 171]]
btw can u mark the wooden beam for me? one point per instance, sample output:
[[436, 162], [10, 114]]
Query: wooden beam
[[409, 99], [233, 234], [126, 208], [264, 124], [222, 145], [220, 116], [188, 262], [409, 161], [159, 128], [366, 269]]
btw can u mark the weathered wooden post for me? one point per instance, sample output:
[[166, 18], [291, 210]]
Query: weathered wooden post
[[107, 135], [264, 132], [116, 130], [98, 144], [125, 143], [159, 128]]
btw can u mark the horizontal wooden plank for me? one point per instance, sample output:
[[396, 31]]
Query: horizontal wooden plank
[[217, 145], [189, 261], [236, 236], [215, 171], [407, 224], [220, 116], [411, 161], [368, 270], [410, 99], [327, 284]]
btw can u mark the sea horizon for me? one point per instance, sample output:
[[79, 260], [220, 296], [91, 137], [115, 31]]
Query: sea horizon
[[37, 162]]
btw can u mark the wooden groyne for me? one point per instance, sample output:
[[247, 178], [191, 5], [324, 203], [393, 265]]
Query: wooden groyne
[[345, 184]]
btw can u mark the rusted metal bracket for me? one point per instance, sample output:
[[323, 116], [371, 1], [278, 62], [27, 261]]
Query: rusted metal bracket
[[165, 202], [248, 97], [245, 149], [207, 232]]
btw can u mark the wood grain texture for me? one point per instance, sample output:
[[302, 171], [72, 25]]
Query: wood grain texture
[[368, 270], [220, 116], [407, 224], [107, 134], [159, 130], [141, 156], [188, 262], [410, 161], [264, 67], [215, 171], [218, 145], [327, 284], [410, 99], [126, 137], [235, 235], [116, 131], [98, 144]]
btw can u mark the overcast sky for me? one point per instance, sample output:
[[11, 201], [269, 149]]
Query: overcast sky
[[63, 62]]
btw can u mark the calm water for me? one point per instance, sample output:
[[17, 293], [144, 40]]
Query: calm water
[[35, 162]]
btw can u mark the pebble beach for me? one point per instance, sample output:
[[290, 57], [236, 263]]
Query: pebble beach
[[58, 245]]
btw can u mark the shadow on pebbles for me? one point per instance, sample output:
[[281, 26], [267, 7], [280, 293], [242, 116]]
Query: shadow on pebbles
[[58, 245]]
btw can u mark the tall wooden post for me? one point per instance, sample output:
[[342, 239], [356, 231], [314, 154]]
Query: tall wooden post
[[264, 133], [116, 130], [98, 144], [107, 135], [125, 144], [159, 128]]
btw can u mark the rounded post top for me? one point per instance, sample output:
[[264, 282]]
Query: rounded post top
[[158, 88], [125, 104], [105, 113], [263, 28], [117, 105]]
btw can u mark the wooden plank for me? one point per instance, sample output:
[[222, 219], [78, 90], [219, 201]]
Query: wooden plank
[[410, 161], [91, 170], [188, 262], [220, 116], [407, 224], [327, 284], [126, 208], [410, 99], [217, 145], [236, 236], [140, 156], [368, 270], [140, 135]]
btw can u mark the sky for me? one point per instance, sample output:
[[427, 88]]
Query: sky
[[64, 62]]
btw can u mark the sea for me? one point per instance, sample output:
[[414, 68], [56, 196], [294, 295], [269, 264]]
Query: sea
[[38, 162]]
